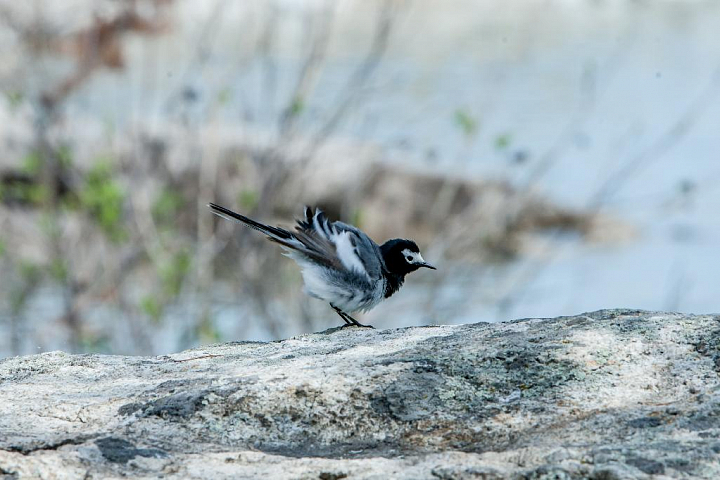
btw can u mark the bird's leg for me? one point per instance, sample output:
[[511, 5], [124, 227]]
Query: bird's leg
[[341, 313], [348, 319], [356, 323]]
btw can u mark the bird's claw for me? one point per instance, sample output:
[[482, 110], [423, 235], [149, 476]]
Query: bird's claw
[[349, 321], [360, 325]]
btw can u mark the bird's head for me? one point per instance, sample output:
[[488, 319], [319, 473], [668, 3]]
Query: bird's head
[[402, 256]]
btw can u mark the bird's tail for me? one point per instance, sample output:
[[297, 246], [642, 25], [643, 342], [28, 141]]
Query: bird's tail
[[306, 243], [275, 233]]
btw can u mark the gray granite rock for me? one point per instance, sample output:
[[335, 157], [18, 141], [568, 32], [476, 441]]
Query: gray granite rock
[[606, 395]]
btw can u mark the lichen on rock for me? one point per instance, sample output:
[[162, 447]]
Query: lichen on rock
[[609, 394]]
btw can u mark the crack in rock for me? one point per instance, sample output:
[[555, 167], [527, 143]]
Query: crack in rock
[[117, 450]]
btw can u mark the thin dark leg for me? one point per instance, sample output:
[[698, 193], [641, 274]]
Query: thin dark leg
[[341, 313], [348, 319], [356, 323]]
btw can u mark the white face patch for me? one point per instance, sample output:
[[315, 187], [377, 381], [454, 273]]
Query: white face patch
[[412, 257]]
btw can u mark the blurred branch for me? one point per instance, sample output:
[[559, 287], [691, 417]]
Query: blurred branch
[[363, 72], [589, 95], [679, 285], [201, 55], [674, 135], [99, 46], [274, 177], [141, 212], [264, 48], [615, 182], [205, 252], [308, 72]]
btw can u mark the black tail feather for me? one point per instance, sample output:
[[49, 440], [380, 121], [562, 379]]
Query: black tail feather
[[308, 225], [266, 229], [304, 241]]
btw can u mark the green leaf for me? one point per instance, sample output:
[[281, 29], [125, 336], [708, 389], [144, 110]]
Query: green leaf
[[167, 206], [296, 107], [21, 291], [32, 163], [503, 141], [151, 307], [93, 343], [27, 193], [29, 271], [103, 198], [173, 273], [59, 269], [357, 218], [248, 199], [207, 331], [224, 96], [35, 194], [65, 157], [466, 122], [14, 99]]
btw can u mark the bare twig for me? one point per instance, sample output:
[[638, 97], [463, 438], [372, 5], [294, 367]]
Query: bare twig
[[359, 78], [615, 182], [308, 72], [590, 92], [676, 133], [269, 77]]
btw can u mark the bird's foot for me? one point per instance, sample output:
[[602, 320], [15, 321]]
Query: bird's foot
[[357, 324], [349, 321]]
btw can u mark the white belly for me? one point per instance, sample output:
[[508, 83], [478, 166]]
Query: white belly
[[345, 297]]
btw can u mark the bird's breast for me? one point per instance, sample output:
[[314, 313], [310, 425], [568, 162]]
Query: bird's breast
[[393, 283], [348, 291]]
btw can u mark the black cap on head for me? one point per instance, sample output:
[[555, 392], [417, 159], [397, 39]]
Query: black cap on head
[[396, 261]]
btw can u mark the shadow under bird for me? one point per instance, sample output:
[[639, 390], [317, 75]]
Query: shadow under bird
[[340, 264]]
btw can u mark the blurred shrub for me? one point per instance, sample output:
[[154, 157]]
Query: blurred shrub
[[103, 198]]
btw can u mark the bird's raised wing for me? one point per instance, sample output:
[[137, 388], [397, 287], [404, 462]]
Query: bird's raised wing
[[352, 248], [330, 244]]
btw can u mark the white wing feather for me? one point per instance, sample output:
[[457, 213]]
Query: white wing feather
[[346, 252]]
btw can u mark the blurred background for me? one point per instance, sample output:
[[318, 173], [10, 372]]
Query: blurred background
[[550, 156]]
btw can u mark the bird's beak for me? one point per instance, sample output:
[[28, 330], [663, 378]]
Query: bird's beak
[[427, 265]]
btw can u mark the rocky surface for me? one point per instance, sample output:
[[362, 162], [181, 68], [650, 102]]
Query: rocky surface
[[605, 395]]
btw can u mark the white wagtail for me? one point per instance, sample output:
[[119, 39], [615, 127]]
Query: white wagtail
[[340, 264]]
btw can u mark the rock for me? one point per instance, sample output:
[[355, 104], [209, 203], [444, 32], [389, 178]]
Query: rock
[[606, 395]]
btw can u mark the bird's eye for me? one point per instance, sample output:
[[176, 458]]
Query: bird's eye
[[408, 258]]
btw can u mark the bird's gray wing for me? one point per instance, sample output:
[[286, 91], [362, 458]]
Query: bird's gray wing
[[353, 248]]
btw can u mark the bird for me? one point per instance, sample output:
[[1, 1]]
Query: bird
[[340, 264]]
